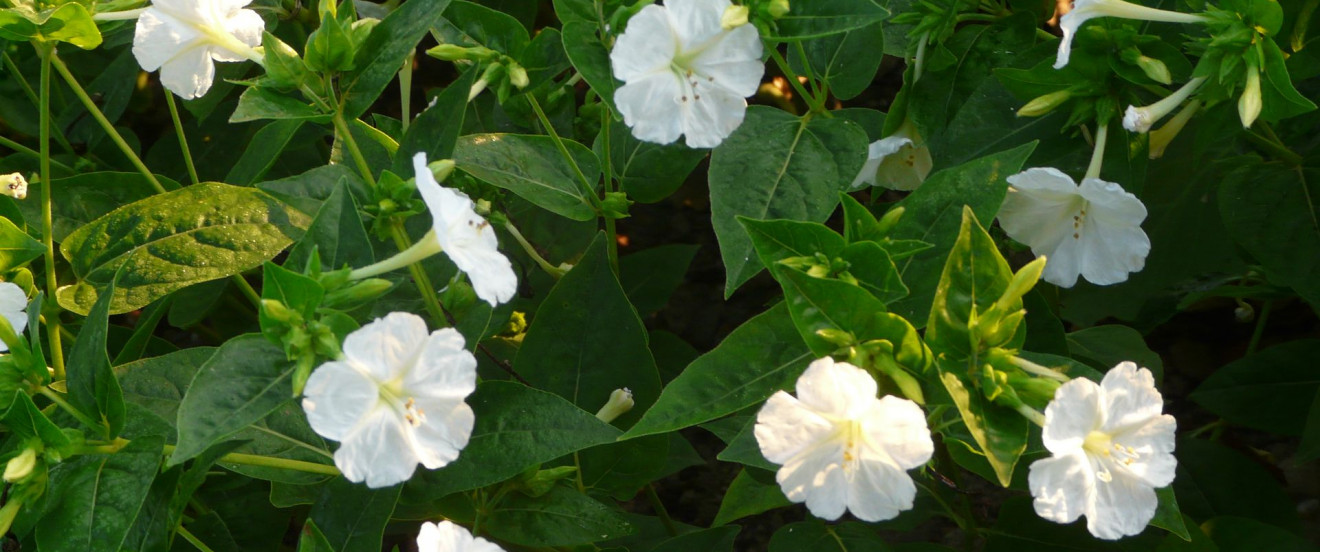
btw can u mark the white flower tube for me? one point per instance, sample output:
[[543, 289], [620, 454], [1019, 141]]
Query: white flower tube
[[684, 73], [1140, 119], [13, 303], [1092, 230], [183, 37], [900, 162], [394, 400], [1111, 447], [843, 449], [1085, 10], [448, 537]]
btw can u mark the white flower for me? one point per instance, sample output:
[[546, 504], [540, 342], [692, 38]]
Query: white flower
[[841, 447], [1111, 448], [182, 37], [1140, 119], [900, 162], [1249, 104], [395, 399], [448, 537], [12, 304], [1085, 10], [684, 73], [1092, 230]]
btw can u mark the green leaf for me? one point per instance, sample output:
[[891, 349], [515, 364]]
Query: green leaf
[[622, 469], [751, 492], [814, 535], [169, 241], [92, 384], [381, 55], [93, 499], [16, 247], [24, 419], [591, 58], [1279, 99], [1271, 211], [435, 131], [158, 383], [353, 515], [1103, 347], [934, 215], [974, 278], [717, 539], [246, 379], [762, 356], [70, 22], [650, 276], [263, 150], [777, 166], [847, 61], [561, 517], [586, 341], [300, 293], [1272, 390], [1239, 534], [1167, 514], [859, 223], [312, 539], [825, 17], [1214, 481], [533, 168], [258, 103], [1001, 433], [744, 449], [875, 271], [544, 58], [776, 240], [78, 200], [307, 191], [1309, 448], [824, 304], [337, 234], [468, 24], [517, 427], [647, 172]]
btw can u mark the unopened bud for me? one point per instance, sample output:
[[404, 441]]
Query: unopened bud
[[1044, 104], [454, 52], [1155, 69], [890, 220], [733, 17], [278, 311], [358, 293], [518, 75], [441, 169], [20, 466], [1160, 138], [1249, 104], [778, 8], [542, 481], [1022, 282], [621, 401], [13, 185]]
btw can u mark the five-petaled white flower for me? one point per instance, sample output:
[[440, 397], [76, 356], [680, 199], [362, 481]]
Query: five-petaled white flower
[[900, 162], [182, 37], [1112, 447], [448, 537], [13, 302], [1092, 230], [1085, 10], [841, 447], [395, 399], [684, 73]]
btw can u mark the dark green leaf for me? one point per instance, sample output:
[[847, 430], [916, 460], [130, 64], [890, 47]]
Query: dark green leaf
[[16, 247], [1103, 347], [93, 499], [1239, 534], [381, 55], [78, 200], [1214, 481], [650, 276], [337, 234], [718, 539], [590, 57], [435, 131], [533, 168], [263, 150], [92, 385], [647, 172], [751, 492], [1271, 211], [562, 517], [259, 103], [467, 24], [826, 17], [354, 516], [816, 536], [1272, 390]]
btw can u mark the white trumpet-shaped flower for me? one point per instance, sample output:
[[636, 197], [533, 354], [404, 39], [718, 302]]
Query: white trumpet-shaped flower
[[1111, 447], [1086, 10], [900, 162], [1092, 230], [13, 303], [182, 38], [685, 73], [448, 537], [841, 447], [1140, 119], [394, 400]]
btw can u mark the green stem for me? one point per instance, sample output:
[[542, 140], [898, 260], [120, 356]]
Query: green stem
[[791, 77], [405, 90], [183, 139], [612, 249], [72, 410], [545, 265], [587, 185], [1032, 415], [419, 276], [1259, 331], [20, 148], [32, 97], [341, 126], [269, 462], [247, 290], [819, 103], [660, 510], [193, 540], [105, 123], [47, 232]]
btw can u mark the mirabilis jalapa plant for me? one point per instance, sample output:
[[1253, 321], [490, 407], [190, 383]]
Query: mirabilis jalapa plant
[[345, 260]]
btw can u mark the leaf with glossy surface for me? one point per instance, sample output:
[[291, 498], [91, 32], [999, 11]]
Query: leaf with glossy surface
[[826, 17], [647, 172], [561, 517], [353, 515], [78, 200], [92, 385], [999, 432], [16, 247], [381, 55], [93, 499], [532, 167], [751, 492], [975, 277]]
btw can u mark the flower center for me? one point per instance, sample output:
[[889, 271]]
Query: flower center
[[1079, 220], [392, 394], [850, 432], [1102, 445], [688, 81]]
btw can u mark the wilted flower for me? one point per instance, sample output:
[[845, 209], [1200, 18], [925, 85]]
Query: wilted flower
[[1111, 447], [13, 303], [448, 537], [684, 73], [1092, 230], [395, 399], [1140, 119], [841, 447], [1085, 10], [182, 37], [900, 162]]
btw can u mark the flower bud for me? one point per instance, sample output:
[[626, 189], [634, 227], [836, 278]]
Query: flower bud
[[13, 185], [778, 8], [441, 169], [1044, 104], [518, 75], [733, 17], [21, 466], [615, 205], [1249, 104], [888, 222], [1155, 69], [1161, 137], [621, 401], [454, 52], [542, 481], [279, 312]]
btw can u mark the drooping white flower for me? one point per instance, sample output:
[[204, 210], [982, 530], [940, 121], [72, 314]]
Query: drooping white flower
[[1085, 10], [13, 303], [394, 400], [1111, 447], [684, 73], [841, 447], [1140, 119], [900, 162], [463, 235], [448, 537], [183, 37], [1092, 230]]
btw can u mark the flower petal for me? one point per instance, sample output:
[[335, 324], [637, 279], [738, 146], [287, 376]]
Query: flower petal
[[1131, 398], [836, 389], [732, 61], [490, 271], [786, 427], [646, 46], [1113, 243], [696, 21], [387, 347], [189, 72], [448, 207], [378, 451], [906, 169], [336, 397], [650, 107], [898, 428], [879, 491], [1042, 209], [448, 537], [1069, 24], [158, 37], [1153, 443], [444, 430], [246, 26], [711, 115], [816, 477], [1063, 486], [1073, 413], [445, 369], [1123, 506]]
